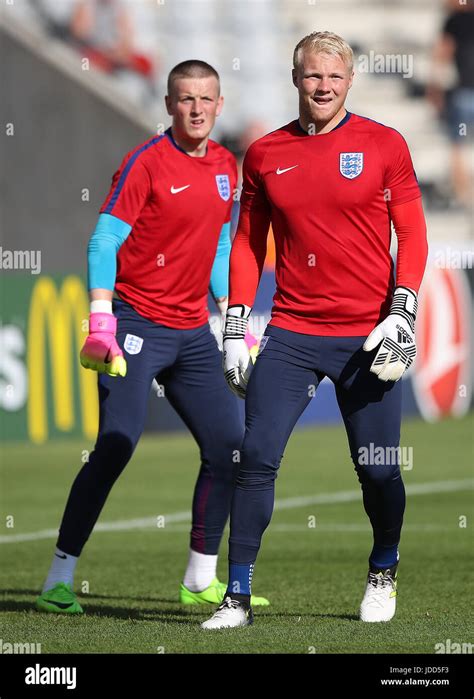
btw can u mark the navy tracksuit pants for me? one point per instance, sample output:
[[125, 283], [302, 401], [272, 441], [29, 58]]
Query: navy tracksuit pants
[[288, 369], [188, 364]]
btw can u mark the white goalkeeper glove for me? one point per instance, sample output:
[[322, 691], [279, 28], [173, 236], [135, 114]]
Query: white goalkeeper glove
[[236, 358], [397, 337], [217, 322]]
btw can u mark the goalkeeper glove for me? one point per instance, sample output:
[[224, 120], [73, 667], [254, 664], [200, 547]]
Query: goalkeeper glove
[[397, 337], [101, 351], [237, 362]]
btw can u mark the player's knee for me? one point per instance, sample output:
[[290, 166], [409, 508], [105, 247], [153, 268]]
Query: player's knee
[[112, 453], [259, 459], [377, 474], [223, 451]]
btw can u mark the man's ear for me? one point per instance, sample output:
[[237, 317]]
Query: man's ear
[[294, 77], [351, 80], [168, 105], [220, 104]]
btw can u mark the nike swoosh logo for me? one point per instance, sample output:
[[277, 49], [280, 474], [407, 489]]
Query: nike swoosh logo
[[175, 190], [280, 172], [63, 556], [60, 605]]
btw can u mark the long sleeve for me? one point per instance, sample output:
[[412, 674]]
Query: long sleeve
[[410, 226], [250, 243], [102, 250], [219, 283]]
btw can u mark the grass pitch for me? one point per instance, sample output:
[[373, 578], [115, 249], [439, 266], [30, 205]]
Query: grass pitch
[[312, 565]]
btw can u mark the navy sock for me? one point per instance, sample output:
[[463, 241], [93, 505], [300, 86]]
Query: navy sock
[[240, 578], [383, 556]]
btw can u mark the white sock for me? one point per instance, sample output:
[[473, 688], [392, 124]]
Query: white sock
[[62, 569], [200, 572]]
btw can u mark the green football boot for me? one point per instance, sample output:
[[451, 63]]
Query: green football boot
[[59, 600], [214, 594]]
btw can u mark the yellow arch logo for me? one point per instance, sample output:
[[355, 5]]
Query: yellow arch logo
[[59, 316]]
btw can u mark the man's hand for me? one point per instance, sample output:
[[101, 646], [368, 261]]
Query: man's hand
[[101, 351], [237, 362], [217, 323], [397, 335]]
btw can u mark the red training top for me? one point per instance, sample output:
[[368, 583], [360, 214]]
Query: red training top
[[330, 199], [176, 205]]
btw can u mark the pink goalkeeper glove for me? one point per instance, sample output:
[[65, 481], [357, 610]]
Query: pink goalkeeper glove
[[252, 343], [101, 351]]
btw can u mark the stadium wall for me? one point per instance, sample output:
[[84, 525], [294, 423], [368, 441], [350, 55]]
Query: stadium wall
[[63, 139]]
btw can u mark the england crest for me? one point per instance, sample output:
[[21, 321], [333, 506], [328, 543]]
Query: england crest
[[351, 164], [133, 344], [223, 186]]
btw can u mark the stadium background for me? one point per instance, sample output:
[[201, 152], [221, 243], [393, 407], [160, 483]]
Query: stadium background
[[68, 123], [73, 121]]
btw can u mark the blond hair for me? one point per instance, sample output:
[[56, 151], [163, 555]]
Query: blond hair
[[324, 42]]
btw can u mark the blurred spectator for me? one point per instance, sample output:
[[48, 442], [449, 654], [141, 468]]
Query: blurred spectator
[[104, 27], [103, 30], [455, 103], [55, 16]]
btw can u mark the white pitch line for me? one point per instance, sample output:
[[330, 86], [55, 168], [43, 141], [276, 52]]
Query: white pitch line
[[328, 527], [283, 504]]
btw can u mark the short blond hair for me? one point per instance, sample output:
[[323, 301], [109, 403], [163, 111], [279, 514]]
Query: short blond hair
[[324, 42]]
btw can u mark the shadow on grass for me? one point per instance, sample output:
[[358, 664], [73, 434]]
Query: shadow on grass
[[179, 613], [176, 616], [83, 597]]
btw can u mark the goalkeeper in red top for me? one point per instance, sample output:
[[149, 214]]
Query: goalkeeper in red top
[[330, 182], [161, 240]]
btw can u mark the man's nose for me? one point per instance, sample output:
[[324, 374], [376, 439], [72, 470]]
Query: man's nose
[[324, 85]]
